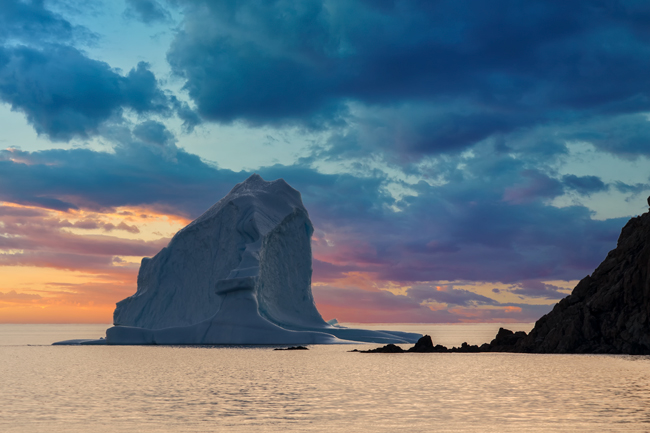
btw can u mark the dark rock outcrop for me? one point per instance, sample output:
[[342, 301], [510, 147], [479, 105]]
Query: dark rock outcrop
[[466, 348], [505, 341], [425, 345], [292, 348], [607, 312], [389, 348]]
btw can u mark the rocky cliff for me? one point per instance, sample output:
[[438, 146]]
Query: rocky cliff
[[608, 311]]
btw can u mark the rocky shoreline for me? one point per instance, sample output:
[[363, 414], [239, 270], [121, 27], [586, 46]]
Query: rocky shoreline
[[505, 341]]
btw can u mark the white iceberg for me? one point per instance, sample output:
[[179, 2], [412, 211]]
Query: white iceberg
[[238, 274]]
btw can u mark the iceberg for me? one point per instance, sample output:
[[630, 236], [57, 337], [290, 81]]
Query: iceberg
[[238, 274]]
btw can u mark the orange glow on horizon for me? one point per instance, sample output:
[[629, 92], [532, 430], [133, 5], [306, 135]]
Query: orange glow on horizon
[[72, 267], [361, 280], [56, 314], [52, 275]]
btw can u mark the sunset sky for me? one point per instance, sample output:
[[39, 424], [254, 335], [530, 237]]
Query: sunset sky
[[461, 161]]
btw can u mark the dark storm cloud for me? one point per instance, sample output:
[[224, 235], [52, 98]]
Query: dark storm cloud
[[532, 186], [412, 130], [625, 135], [633, 189], [31, 21], [495, 243], [500, 66], [65, 94], [189, 117], [135, 174], [448, 295], [278, 64], [147, 11], [584, 185], [469, 228], [491, 222], [154, 132], [336, 198]]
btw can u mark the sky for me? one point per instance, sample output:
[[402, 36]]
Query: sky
[[461, 161]]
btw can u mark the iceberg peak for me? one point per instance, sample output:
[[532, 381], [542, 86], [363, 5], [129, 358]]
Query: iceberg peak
[[238, 274]]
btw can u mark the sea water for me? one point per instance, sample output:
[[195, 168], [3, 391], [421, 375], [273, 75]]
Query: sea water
[[46, 388]]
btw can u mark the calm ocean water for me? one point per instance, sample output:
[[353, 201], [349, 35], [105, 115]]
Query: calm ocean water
[[96, 389]]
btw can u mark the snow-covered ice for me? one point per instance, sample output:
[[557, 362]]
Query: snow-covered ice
[[238, 274]]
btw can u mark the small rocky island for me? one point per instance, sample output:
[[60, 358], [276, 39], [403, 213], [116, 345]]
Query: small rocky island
[[607, 312]]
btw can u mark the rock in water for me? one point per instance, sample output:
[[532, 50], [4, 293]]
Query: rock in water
[[423, 345], [389, 348], [238, 274], [505, 341], [607, 312]]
